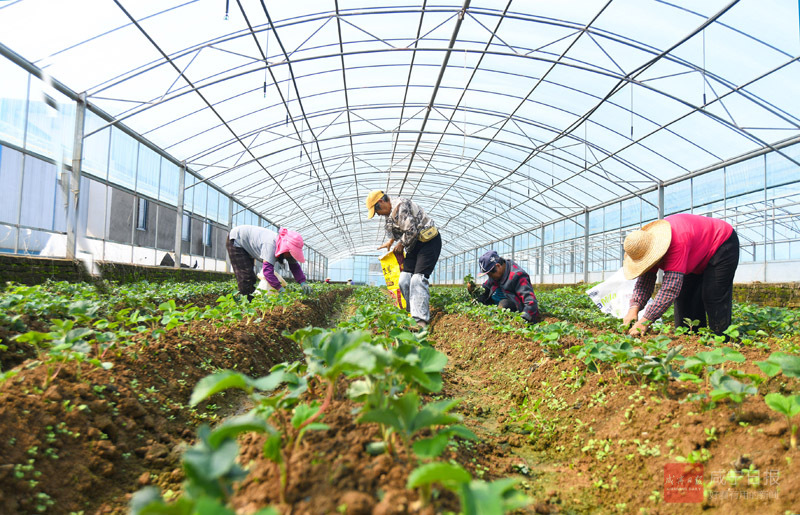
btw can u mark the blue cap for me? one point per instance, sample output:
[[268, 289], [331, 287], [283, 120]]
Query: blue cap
[[488, 261]]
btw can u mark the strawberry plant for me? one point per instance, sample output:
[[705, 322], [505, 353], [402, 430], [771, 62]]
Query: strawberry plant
[[477, 497], [789, 407]]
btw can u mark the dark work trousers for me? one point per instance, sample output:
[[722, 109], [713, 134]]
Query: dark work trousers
[[508, 304], [243, 268], [710, 293], [422, 257]]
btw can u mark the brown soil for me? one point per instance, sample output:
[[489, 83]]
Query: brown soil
[[88, 438], [494, 373], [95, 437]]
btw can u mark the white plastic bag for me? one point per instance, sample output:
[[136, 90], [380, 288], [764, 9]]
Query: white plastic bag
[[613, 296], [264, 286]]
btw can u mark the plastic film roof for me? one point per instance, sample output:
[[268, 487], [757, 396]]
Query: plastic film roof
[[493, 116]]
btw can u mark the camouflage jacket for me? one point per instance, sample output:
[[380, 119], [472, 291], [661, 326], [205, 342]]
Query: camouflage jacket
[[406, 221]]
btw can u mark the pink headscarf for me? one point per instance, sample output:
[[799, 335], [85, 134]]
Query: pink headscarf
[[291, 242]]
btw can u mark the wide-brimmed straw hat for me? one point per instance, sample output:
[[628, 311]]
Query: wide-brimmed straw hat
[[645, 247]]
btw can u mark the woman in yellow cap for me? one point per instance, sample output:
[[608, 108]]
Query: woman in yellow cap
[[698, 255], [415, 233]]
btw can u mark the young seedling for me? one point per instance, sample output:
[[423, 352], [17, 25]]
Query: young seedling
[[789, 407], [726, 387], [476, 496]]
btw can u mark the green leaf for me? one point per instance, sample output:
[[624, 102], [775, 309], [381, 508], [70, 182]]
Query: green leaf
[[787, 405], [218, 382], [235, 426], [462, 432], [208, 506], [213, 464], [689, 377], [359, 389], [445, 473], [428, 448], [382, 416], [779, 361], [272, 448], [302, 413], [495, 498], [769, 367], [431, 360]]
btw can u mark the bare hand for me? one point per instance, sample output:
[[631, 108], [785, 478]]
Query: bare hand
[[385, 245], [631, 316], [398, 249], [639, 328], [470, 286]]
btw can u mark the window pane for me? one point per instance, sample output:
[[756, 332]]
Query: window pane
[[186, 227], [677, 198], [611, 216], [122, 164], [13, 100], [595, 221], [649, 206], [780, 170], [631, 211], [141, 214], [95, 147], [188, 193], [707, 188], [168, 190], [51, 122], [745, 177], [38, 194], [224, 209], [149, 169], [213, 204], [200, 195], [11, 179]]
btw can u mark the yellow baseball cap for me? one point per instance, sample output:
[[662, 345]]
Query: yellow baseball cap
[[372, 199]]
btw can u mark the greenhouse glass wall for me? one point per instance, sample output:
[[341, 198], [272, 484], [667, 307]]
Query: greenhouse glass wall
[[759, 195], [131, 192], [544, 130]]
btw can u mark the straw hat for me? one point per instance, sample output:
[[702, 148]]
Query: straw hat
[[645, 247]]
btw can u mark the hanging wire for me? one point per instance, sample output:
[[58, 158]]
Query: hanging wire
[[631, 85], [464, 145], [288, 95], [704, 66], [266, 63]]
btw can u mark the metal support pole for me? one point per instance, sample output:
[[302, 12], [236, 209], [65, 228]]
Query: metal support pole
[[75, 177], [230, 227], [586, 246], [660, 273], [541, 254], [766, 221], [179, 219]]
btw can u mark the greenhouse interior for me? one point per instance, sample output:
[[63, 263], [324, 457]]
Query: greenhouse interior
[[150, 153]]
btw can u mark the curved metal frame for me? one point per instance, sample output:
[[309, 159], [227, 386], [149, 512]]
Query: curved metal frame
[[477, 169]]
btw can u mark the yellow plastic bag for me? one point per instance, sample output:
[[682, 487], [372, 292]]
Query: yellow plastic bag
[[391, 272]]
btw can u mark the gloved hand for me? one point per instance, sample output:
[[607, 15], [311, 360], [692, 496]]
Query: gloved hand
[[281, 289], [527, 317], [306, 287]]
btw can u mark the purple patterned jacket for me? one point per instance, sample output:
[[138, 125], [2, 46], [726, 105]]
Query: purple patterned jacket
[[516, 285]]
